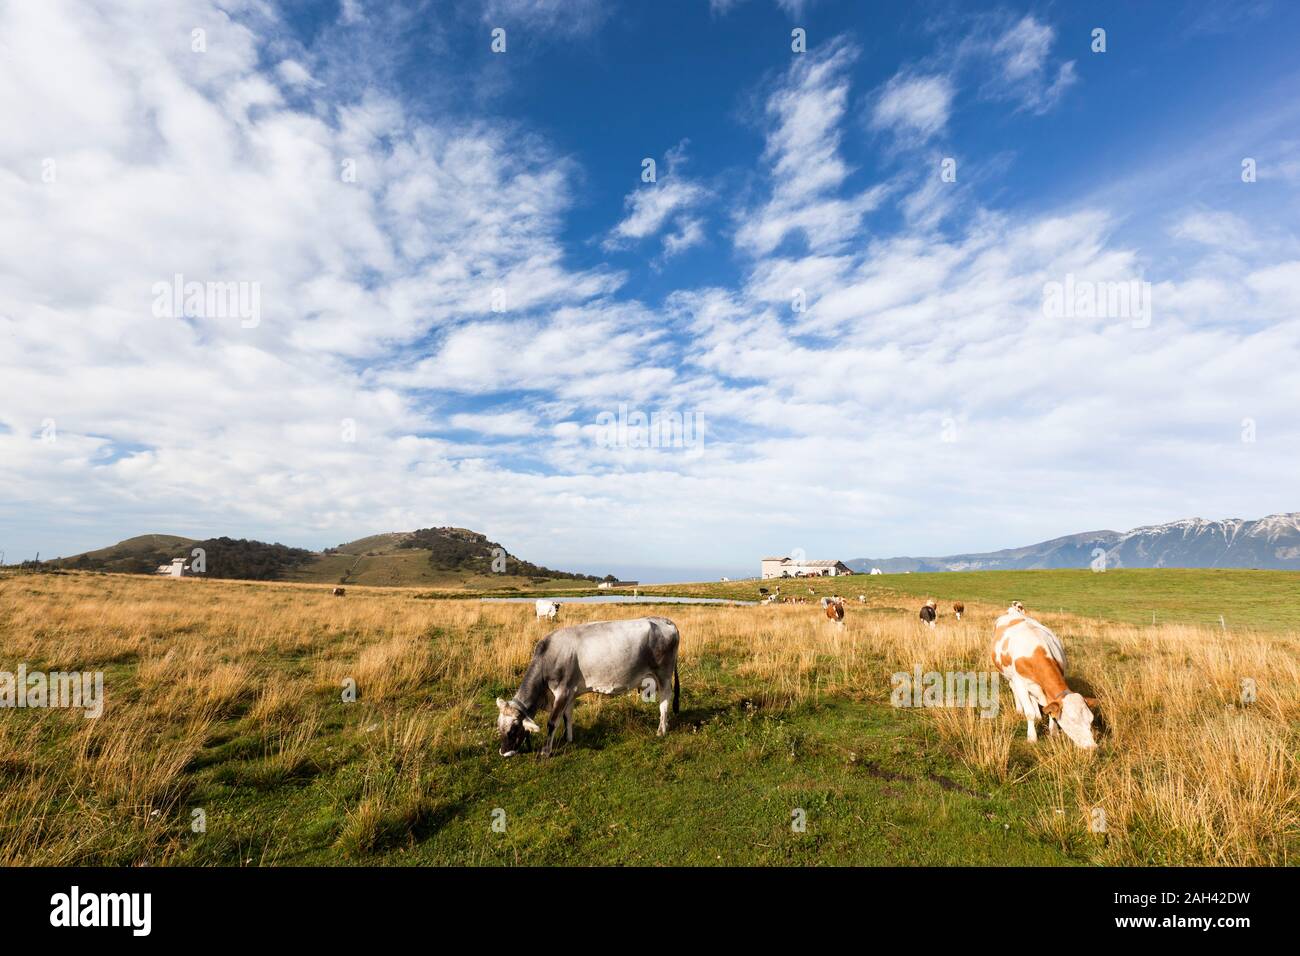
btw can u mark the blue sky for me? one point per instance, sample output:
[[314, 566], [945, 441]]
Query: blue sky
[[460, 273]]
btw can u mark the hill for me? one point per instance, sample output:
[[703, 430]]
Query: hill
[[1271, 543], [222, 557], [429, 557]]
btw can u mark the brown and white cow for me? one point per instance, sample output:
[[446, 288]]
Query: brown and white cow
[[959, 609], [835, 610], [1032, 660]]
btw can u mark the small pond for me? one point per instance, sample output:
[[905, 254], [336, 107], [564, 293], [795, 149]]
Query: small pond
[[620, 599]]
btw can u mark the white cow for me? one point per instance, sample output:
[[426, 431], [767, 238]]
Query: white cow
[[1032, 660], [603, 657], [547, 609]]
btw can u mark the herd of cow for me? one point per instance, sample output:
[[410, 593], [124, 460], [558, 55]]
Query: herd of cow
[[615, 657]]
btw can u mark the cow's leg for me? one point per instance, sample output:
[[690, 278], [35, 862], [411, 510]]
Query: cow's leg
[[1025, 705], [663, 714], [568, 722], [1019, 696], [1032, 717], [563, 700]]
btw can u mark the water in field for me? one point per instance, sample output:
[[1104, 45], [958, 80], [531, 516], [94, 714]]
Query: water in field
[[621, 599]]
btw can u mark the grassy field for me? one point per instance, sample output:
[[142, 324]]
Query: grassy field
[[226, 698], [1258, 599]]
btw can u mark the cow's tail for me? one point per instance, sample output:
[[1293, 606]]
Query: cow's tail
[[677, 690]]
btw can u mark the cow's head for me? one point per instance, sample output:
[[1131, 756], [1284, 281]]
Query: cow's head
[[1074, 713], [513, 728]]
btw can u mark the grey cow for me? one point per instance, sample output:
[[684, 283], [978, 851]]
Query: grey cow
[[603, 657]]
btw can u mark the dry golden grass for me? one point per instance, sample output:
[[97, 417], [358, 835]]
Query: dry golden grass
[[1186, 772]]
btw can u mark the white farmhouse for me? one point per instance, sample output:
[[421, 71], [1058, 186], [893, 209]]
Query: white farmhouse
[[791, 568], [176, 569]]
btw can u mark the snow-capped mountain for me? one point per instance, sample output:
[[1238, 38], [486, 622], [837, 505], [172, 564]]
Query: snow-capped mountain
[[1272, 542]]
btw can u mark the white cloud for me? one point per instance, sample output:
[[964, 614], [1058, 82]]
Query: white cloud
[[803, 154], [1214, 228], [512, 423], [793, 8], [295, 74], [1021, 58], [690, 232], [916, 107], [668, 201], [556, 16]]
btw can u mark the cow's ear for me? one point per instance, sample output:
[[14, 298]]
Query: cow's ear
[[501, 706], [1092, 702], [530, 726], [1053, 709]]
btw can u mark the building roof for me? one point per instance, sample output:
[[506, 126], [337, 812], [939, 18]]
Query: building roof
[[819, 563]]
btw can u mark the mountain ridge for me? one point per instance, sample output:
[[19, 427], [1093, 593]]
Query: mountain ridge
[[1271, 542]]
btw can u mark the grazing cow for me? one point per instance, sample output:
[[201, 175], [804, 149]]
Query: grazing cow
[[835, 610], [928, 612], [547, 609], [1032, 660], [862, 599], [339, 592], [603, 657], [959, 609]]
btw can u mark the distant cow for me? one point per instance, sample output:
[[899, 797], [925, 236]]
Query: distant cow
[[959, 609], [339, 592], [835, 610], [1032, 660], [928, 612], [603, 657], [547, 609], [862, 599]]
